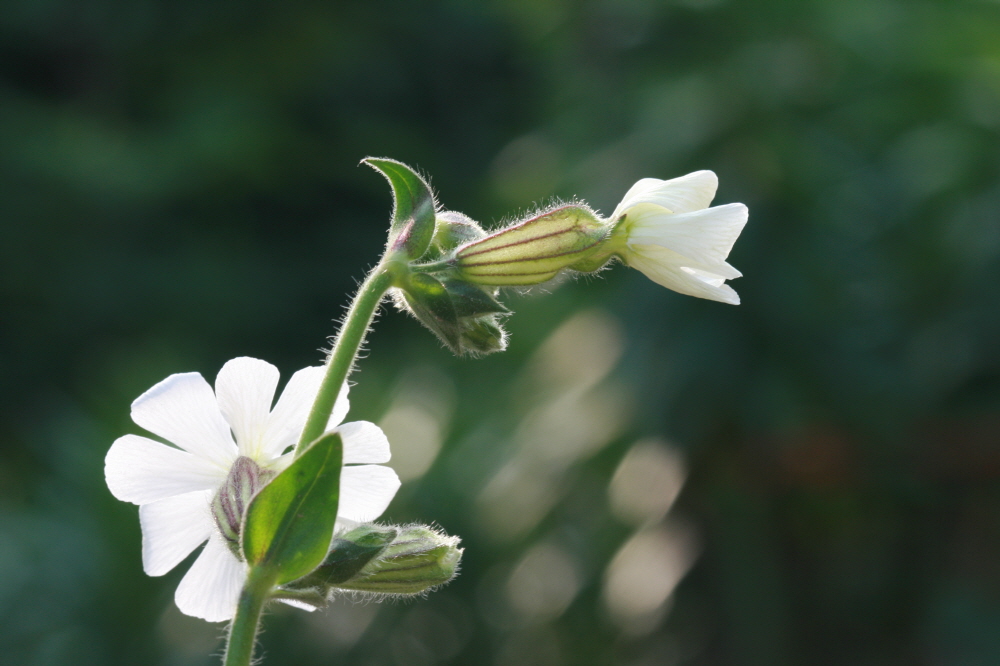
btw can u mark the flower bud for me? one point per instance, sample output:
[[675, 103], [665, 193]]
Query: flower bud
[[418, 559], [452, 229], [533, 251], [382, 560], [229, 505]]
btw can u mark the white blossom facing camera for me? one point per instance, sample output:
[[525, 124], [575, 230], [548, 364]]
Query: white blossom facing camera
[[666, 229], [175, 486]]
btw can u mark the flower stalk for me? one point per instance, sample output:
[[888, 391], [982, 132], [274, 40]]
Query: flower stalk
[[260, 584], [345, 349], [243, 630]]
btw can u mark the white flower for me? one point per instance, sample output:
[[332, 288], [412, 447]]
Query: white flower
[[174, 487], [670, 234]]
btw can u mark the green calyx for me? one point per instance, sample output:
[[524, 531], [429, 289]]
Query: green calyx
[[230, 503], [535, 250]]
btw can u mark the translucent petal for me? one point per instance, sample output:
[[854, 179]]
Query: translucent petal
[[140, 471], [298, 604], [289, 414], [365, 491], [340, 408], [344, 525], [705, 237], [245, 390], [172, 528], [692, 192], [182, 409], [661, 266], [211, 588], [364, 442]]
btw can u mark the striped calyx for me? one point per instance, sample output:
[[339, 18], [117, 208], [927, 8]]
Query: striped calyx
[[245, 478], [535, 250]]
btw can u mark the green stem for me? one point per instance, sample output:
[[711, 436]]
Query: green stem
[[243, 629], [260, 581], [345, 349]]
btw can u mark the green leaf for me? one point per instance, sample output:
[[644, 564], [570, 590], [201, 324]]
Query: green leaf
[[413, 208], [432, 305], [289, 523]]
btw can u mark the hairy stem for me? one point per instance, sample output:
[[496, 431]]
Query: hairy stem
[[243, 629], [345, 349]]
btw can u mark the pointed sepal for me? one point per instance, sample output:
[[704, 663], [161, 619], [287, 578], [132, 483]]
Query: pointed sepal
[[429, 301], [413, 207], [470, 300]]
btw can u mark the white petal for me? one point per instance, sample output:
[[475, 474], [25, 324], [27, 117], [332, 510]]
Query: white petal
[[340, 408], [343, 525], [172, 528], [212, 587], [140, 471], [245, 390], [365, 491], [665, 268], [692, 192], [294, 603], [289, 415], [364, 442], [182, 409], [704, 237]]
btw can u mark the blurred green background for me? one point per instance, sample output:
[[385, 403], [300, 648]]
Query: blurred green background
[[179, 186]]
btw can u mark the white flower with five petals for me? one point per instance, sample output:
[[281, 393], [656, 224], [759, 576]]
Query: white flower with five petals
[[666, 229], [174, 485]]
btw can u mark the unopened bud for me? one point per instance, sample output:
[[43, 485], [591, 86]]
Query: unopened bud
[[418, 559], [533, 251], [410, 559], [229, 504], [452, 229]]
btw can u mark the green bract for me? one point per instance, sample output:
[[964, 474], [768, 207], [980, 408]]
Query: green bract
[[289, 523], [413, 208], [456, 311]]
